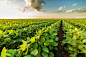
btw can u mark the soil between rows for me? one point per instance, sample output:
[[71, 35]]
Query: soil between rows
[[60, 52]]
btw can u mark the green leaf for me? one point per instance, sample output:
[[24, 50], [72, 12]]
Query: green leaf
[[45, 49], [40, 32], [34, 52], [32, 40], [55, 43], [28, 56], [51, 36], [23, 46], [80, 46], [3, 53], [12, 34], [63, 42], [47, 37], [17, 34], [72, 55], [39, 55], [51, 32], [84, 51], [10, 31], [70, 48], [55, 48], [68, 35], [46, 34], [11, 51], [42, 39], [44, 54], [3, 42], [56, 39], [35, 46], [1, 32], [39, 50], [55, 33], [84, 41], [50, 40], [50, 47], [8, 54], [51, 54], [40, 43], [46, 43], [28, 38], [0, 35], [26, 51], [7, 39]]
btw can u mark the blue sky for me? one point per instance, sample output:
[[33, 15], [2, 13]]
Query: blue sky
[[43, 9], [55, 4]]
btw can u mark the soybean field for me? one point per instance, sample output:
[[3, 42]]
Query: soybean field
[[42, 37]]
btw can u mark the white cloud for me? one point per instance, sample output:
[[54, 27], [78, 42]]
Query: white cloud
[[69, 11], [60, 11], [8, 12], [25, 5], [75, 4], [16, 4], [80, 10], [60, 8], [35, 4]]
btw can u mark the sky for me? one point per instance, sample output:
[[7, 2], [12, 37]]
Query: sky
[[24, 9]]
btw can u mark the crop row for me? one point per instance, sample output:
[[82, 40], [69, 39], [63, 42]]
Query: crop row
[[40, 40], [41, 45], [12, 25], [79, 24], [12, 38], [75, 39]]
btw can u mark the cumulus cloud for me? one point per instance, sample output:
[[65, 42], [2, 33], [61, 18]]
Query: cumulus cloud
[[60, 11], [35, 4], [52, 12], [80, 10], [69, 11], [23, 5], [60, 8], [75, 4]]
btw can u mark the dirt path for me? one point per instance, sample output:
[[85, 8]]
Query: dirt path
[[60, 52]]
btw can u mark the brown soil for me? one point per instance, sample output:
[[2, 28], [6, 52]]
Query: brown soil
[[60, 52]]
